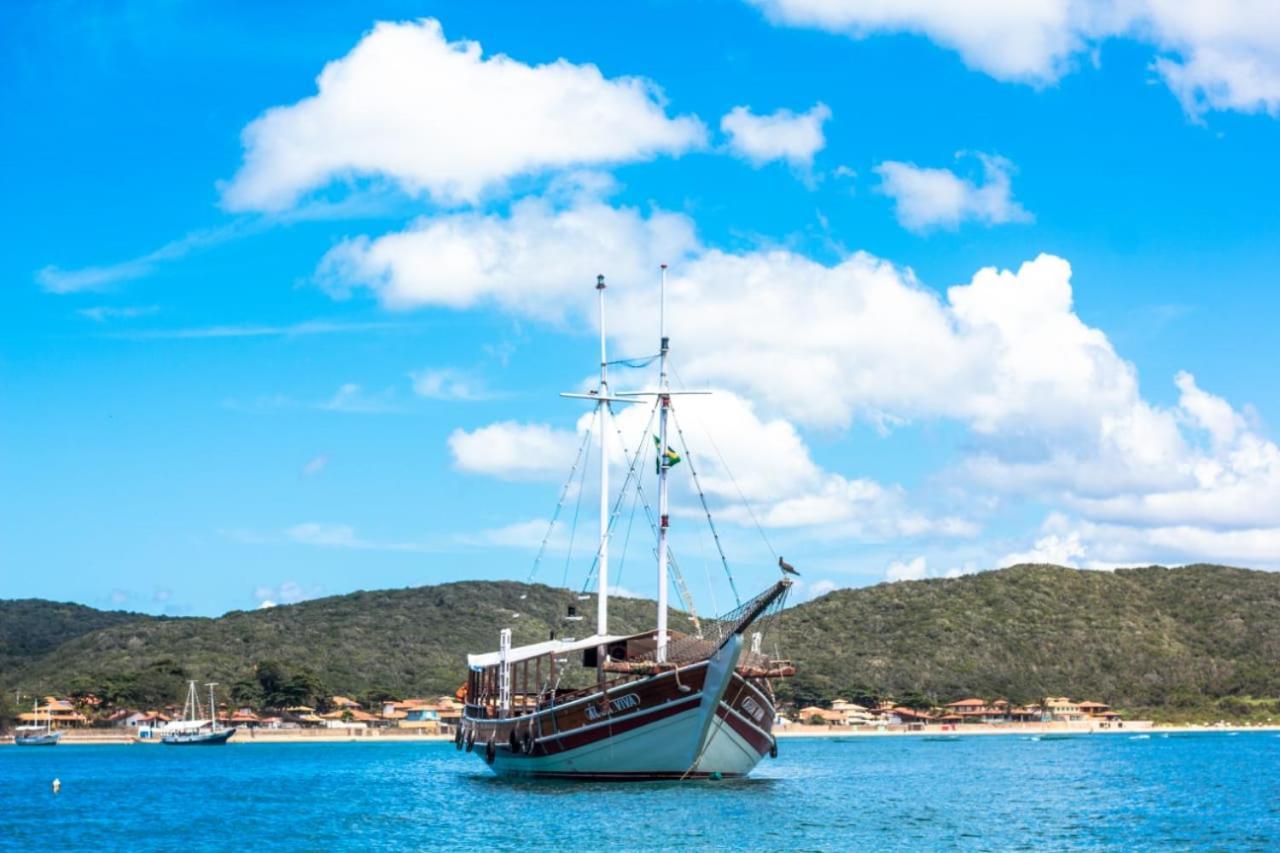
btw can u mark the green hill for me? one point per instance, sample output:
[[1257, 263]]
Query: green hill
[[31, 627], [1189, 638], [1149, 637], [394, 642]]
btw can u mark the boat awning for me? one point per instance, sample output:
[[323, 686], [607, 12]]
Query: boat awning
[[519, 653]]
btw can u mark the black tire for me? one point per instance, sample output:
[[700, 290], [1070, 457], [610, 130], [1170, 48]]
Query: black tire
[[490, 751], [513, 741], [457, 739], [471, 739], [773, 749]]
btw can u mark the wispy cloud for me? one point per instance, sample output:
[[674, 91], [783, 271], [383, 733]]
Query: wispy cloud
[[55, 279], [323, 535], [315, 465], [527, 535], [374, 201], [449, 384], [249, 330], [103, 313], [352, 398], [288, 592]]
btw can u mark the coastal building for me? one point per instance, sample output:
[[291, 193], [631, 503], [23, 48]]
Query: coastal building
[[965, 707], [1098, 711], [1063, 709], [350, 717], [910, 717], [821, 716], [145, 719], [60, 713], [853, 713]]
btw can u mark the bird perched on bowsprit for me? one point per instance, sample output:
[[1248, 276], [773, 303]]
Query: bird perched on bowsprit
[[787, 568]]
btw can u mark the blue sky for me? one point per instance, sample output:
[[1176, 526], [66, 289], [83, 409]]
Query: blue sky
[[261, 341]]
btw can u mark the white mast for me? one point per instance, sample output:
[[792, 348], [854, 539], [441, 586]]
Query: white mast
[[664, 403], [602, 597]]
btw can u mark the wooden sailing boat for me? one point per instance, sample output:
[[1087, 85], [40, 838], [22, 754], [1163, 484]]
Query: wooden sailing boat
[[193, 729], [37, 734], [662, 704]]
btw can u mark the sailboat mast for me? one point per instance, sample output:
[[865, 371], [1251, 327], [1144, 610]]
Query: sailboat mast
[[602, 597], [213, 709], [664, 404]]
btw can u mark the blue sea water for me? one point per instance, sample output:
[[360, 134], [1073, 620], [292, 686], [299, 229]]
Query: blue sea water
[[1211, 791]]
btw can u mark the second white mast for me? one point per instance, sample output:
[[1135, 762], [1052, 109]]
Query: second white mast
[[602, 597], [664, 463]]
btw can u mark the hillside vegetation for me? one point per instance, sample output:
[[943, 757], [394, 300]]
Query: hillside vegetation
[[1147, 637], [1187, 638], [32, 627]]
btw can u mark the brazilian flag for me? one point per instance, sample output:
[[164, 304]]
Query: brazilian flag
[[673, 458]]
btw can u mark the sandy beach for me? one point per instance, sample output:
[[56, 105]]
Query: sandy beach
[[1136, 727], [116, 737]]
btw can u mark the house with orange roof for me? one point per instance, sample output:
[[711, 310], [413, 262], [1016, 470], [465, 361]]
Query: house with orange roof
[[1098, 711], [967, 706], [825, 715], [58, 712]]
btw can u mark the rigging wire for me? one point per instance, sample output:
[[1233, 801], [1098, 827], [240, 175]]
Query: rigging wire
[[622, 491], [564, 492], [577, 507], [697, 485], [643, 361], [725, 465], [633, 467], [706, 571], [626, 540]]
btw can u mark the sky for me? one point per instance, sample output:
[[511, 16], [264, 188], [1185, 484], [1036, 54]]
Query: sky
[[290, 292]]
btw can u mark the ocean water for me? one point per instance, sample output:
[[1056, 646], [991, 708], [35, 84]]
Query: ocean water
[[1117, 792]]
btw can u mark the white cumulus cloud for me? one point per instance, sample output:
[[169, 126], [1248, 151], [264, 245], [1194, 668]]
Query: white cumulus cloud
[[1213, 54], [927, 198], [781, 135], [910, 570], [1053, 413], [439, 118], [514, 451], [533, 261]]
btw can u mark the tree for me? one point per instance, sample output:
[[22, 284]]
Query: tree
[[8, 712], [915, 700]]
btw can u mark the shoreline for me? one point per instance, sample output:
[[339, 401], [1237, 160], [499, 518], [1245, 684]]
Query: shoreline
[[1136, 728], [108, 737]]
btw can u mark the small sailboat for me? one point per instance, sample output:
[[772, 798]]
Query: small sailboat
[[660, 704], [37, 734], [193, 729]]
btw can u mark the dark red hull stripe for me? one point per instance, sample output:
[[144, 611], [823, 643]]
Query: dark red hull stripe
[[554, 745], [639, 776], [750, 734]]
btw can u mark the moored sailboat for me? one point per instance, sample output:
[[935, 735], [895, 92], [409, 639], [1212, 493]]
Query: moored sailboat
[[193, 729], [663, 704], [37, 734]]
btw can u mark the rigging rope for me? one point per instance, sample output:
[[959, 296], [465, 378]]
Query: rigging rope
[[577, 507], [725, 465], [564, 492], [677, 575], [626, 541], [644, 361], [697, 485], [622, 491]]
